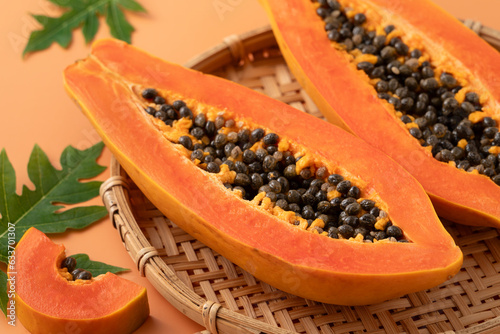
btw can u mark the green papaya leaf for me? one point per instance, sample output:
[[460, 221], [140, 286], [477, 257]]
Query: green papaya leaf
[[43, 206], [84, 13], [96, 268]]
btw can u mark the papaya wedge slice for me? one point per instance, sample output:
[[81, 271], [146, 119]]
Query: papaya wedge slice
[[45, 301], [346, 91], [107, 86]]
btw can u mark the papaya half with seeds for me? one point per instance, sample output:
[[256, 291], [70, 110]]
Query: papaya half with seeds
[[412, 81], [190, 141], [47, 301]]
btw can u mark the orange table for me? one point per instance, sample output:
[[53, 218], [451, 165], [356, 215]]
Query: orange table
[[35, 108]]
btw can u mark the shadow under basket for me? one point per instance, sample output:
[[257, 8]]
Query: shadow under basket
[[224, 298]]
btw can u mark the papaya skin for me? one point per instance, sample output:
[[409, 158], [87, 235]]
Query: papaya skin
[[107, 304], [317, 267], [338, 88]]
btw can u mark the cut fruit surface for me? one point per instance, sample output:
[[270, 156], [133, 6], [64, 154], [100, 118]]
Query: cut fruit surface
[[412, 81], [113, 89], [48, 302]]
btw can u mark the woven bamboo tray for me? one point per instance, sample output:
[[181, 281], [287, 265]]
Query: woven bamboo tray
[[226, 299]]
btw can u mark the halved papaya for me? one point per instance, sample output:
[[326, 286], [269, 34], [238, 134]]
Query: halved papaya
[[228, 166], [47, 302], [366, 64]]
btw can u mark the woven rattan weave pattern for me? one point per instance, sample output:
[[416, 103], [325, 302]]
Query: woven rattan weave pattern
[[226, 299]]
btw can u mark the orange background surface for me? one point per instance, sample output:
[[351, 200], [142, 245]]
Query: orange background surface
[[36, 109]]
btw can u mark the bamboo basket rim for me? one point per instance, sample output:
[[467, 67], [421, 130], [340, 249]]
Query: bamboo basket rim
[[117, 193]]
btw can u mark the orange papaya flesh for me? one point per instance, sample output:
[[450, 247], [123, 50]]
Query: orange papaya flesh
[[277, 186], [329, 73], [315, 267], [47, 302]]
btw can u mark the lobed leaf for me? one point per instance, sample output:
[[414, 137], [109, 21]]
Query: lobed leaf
[[53, 188], [95, 267], [57, 30], [85, 14]]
